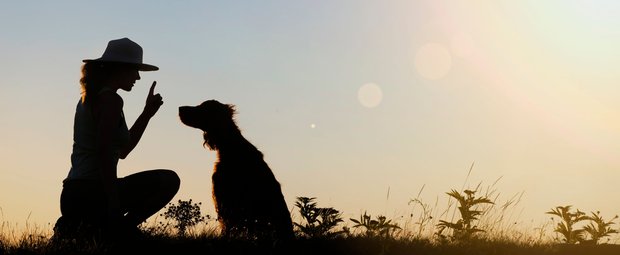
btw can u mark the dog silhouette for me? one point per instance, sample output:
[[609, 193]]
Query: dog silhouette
[[247, 197]]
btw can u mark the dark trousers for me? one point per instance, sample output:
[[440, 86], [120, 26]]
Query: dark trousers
[[141, 195]]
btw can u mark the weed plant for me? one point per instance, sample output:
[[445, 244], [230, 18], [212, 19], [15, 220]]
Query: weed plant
[[185, 214], [464, 228], [588, 234], [318, 222], [379, 227], [566, 227], [599, 228]]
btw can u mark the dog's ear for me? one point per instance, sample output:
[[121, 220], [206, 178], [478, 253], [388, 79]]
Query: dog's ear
[[230, 110]]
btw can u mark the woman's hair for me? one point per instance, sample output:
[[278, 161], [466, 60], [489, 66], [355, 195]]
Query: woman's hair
[[95, 75]]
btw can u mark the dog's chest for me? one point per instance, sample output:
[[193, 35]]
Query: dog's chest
[[241, 168]]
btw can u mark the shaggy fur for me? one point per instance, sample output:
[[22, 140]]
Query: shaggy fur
[[247, 196]]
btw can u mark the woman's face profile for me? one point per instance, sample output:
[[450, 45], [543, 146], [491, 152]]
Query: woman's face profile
[[126, 78]]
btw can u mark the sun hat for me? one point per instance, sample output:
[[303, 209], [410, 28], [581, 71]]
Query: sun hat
[[124, 51]]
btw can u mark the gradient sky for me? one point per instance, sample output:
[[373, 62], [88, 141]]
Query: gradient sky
[[346, 99]]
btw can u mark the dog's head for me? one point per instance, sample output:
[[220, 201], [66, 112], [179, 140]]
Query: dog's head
[[212, 117]]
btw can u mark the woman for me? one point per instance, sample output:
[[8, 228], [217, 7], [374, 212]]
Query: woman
[[93, 198]]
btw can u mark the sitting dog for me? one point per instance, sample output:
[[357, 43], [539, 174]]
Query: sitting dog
[[246, 194]]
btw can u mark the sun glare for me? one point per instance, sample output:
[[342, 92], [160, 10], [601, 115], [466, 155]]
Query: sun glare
[[462, 45], [433, 61], [370, 95]]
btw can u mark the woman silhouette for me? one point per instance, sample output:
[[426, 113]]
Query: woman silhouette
[[94, 200]]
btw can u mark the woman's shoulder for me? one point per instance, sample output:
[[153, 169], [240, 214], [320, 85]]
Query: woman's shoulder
[[108, 103]]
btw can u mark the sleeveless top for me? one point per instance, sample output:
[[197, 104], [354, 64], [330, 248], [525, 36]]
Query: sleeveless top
[[84, 158]]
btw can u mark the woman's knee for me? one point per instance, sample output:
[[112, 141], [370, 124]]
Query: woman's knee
[[169, 179], [160, 180]]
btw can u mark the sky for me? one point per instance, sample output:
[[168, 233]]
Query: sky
[[362, 104]]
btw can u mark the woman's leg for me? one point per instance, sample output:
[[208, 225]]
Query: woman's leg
[[83, 208], [83, 199], [143, 194]]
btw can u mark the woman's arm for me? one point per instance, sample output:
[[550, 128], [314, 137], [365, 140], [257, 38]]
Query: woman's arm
[[153, 102]]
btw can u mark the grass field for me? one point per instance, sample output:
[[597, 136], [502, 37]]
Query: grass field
[[338, 245], [474, 222]]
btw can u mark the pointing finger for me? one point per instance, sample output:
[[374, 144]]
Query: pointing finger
[[152, 88]]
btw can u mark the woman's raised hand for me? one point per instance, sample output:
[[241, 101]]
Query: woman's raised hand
[[153, 101]]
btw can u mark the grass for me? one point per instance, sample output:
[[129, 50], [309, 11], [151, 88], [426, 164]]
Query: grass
[[474, 221], [205, 239], [213, 244]]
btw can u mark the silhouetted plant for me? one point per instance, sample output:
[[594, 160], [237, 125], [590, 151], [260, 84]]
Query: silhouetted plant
[[599, 228], [425, 216], [566, 227], [185, 214], [381, 227], [158, 228], [319, 221], [464, 229]]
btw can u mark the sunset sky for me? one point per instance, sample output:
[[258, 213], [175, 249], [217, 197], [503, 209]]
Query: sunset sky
[[346, 99]]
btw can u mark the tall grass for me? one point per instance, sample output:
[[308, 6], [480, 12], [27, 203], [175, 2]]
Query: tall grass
[[475, 220]]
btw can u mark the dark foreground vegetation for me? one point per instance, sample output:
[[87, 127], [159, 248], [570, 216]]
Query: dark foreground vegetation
[[338, 245], [479, 224]]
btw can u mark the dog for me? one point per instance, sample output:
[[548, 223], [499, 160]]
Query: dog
[[247, 197]]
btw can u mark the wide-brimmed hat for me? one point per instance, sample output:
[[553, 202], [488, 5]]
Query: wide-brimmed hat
[[124, 51]]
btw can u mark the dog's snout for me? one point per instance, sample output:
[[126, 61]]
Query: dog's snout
[[182, 109], [183, 113], [188, 116]]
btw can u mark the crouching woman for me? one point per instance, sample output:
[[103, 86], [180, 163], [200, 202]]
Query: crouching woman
[[94, 200]]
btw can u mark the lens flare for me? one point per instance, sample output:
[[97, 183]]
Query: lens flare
[[370, 95]]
